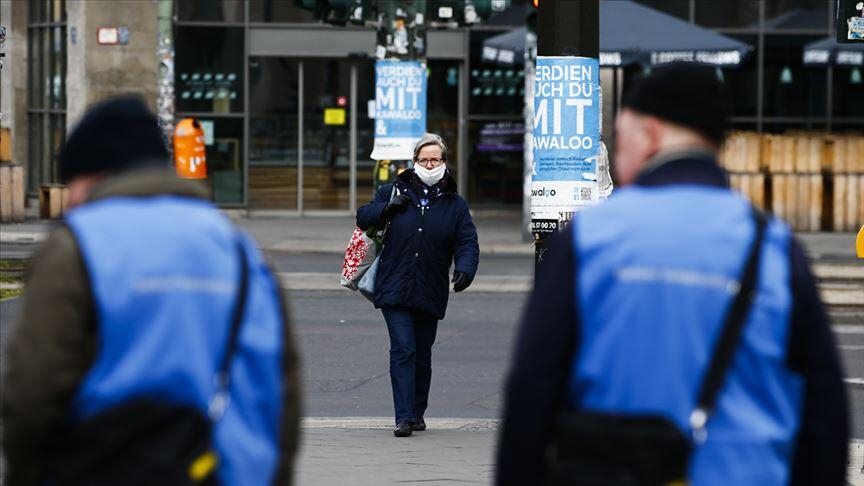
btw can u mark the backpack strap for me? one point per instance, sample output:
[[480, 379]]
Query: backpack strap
[[730, 335], [221, 397]]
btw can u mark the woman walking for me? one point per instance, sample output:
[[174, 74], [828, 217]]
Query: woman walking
[[430, 227]]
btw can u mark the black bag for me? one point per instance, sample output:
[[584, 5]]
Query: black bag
[[595, 448], [146, 442]]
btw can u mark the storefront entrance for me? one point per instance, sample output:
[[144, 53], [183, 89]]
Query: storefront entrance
[[311, 130]]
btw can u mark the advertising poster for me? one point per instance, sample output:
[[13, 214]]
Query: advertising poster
[[566, 136], [400, 108]]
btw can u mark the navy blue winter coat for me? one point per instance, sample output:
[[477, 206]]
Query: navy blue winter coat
[[420, 246]]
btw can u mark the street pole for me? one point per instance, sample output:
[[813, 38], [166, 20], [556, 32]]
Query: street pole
[[165, 57], [563, 29]]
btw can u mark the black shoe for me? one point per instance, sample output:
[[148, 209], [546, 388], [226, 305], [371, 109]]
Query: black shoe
[[403, 429], [418, 425]]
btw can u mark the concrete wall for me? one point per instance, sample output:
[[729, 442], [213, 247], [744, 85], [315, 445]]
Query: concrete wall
[[93, 72], [13, 77], [96, 72]]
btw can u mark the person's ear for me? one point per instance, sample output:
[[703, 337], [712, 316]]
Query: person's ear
[[653, 131]]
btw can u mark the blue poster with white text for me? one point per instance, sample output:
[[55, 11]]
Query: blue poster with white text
[[400, 108], [566, 134]]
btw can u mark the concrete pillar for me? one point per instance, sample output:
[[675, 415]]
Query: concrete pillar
[[13, 77], [96, 72]]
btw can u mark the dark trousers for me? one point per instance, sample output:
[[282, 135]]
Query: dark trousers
[[412, 334]]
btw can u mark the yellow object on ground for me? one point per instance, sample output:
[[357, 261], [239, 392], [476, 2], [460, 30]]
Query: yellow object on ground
[[859, 243]]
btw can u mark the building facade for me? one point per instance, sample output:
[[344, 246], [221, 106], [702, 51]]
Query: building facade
[[259, 75]]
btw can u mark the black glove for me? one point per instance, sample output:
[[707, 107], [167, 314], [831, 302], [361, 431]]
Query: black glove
[[397, 205], [461, 281]]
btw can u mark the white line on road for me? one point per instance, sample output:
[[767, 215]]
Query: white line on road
[[847, 329], [388, 423]]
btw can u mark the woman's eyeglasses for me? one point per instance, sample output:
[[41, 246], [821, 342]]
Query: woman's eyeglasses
[[428, 162]]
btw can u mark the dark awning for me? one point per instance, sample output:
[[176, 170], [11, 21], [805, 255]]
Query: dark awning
[[633, 33], [828, 52]]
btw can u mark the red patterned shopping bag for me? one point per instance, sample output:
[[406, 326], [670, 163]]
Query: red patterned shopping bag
[[359, 255]]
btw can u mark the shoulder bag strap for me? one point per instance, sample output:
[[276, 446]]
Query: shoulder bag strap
[[221, 397], [730, 335], [393, 193]]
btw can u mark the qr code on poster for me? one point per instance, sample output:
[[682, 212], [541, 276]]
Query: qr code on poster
[[585, 193]]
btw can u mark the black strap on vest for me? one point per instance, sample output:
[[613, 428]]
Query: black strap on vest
[[220, 398], [730, 335]]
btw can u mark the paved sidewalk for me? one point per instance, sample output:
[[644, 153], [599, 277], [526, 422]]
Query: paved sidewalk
[[498, 234], [364, 452]]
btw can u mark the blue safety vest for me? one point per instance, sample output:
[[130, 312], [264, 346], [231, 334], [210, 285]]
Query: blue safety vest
[[657, 269], [164, 274]]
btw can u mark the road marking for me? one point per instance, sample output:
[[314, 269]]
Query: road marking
[[848, 329], [330, 281], [851, 347], [854, 381], [388, 423]]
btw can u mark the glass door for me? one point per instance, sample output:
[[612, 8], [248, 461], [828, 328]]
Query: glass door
[[326, 154], [273, 132]]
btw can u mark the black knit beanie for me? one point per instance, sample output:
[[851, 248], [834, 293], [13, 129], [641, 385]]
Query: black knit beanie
[[684, 93], [114, 135]]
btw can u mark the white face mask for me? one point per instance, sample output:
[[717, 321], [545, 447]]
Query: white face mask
[[430, 177]]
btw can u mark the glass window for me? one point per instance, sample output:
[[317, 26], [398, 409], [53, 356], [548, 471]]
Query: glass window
[[46, 97], [848, 91], [796, 14], [791, 89], [727, 13], [677, 8], [779, 126], [210, 10], [496, 162], [224, 149], [286, 11], [273, 125], [209, 69], [442, 107], [326, 171], [514, 15], [743, 80], [493, 89], [366, 132]]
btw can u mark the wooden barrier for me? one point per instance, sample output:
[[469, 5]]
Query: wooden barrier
[[798, 199], [11, 193], [846, 154], [53, 199], [778, 152], [848, 202], [742, 152], [5, 145], [751, 186]]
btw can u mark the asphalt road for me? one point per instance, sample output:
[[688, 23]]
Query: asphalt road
[[344, 345]]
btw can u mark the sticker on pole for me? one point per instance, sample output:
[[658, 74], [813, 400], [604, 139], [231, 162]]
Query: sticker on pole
[[566, 134], [400, 108]]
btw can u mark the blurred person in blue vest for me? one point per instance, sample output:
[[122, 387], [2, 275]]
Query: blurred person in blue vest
[[430, 229], [630, 300], [130, 305]]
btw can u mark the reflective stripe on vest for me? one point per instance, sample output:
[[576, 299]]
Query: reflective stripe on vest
[[164, 274], [657, 269]]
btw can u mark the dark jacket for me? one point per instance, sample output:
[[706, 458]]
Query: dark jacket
[[56, 341], [420, 246], [548, 340]]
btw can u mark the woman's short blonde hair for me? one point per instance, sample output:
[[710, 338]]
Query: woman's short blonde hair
[[430, 139]]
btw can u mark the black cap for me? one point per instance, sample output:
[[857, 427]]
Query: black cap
[[688, 94], [114, 135]]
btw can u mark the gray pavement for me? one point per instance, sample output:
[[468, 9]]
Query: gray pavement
[[347, 437], [499, 233]]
